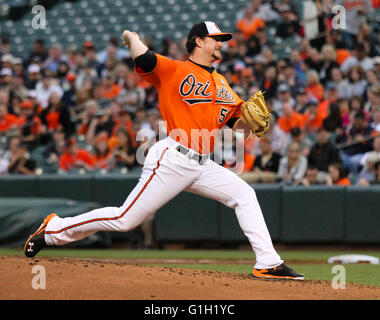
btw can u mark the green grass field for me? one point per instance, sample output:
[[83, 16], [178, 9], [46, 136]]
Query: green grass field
[[313, 263]]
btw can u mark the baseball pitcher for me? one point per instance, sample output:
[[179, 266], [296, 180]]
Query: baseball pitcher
[[195, 102]]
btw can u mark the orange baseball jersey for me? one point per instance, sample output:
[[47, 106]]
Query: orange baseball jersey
[[194, 103]]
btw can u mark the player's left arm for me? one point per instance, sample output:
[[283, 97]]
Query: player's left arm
[[254, 117], [241, 126]]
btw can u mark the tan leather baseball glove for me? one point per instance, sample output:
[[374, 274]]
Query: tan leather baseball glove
[[256, 114]]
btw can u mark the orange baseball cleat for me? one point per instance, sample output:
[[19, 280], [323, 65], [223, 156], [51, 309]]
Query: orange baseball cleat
[[36, 241]]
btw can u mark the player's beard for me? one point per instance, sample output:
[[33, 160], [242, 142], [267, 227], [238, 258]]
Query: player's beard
[[217, 55]]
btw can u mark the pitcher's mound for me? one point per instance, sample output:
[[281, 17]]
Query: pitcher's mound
[[80, 279]]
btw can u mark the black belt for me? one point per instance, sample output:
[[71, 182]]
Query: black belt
[[196, 156]]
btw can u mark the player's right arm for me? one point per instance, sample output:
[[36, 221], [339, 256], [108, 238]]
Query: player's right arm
[[152, 67], [132, 40]]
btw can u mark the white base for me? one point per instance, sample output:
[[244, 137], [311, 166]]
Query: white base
[[354, 258]]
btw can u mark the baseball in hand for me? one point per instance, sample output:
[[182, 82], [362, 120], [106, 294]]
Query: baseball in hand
[[127, 36]]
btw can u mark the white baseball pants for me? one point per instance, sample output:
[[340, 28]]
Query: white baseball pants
[[165, 174]]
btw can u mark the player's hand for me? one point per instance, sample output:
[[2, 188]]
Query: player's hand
[[127, 37]]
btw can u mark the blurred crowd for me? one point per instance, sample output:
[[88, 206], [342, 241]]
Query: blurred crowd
[[82, 108]]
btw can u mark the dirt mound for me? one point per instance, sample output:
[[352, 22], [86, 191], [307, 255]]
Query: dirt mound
[[80, 279]]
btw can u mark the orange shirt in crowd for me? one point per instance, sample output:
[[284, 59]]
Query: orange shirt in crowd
[[287, 123], [8, 122], [249, 28], [52, 119], [343, 182], [249, 161], [314, 124], [316, 90], [35, 128], [323, 108], [127, 126], [341, 55], [68, 161], [102, 161], [110, 93]]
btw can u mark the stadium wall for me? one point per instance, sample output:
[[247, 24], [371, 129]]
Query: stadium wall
[[293, 214]]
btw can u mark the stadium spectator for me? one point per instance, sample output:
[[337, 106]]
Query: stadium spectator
[[86, 73], [30, 125], [55, 147], [6, 78], [90, 58], [269, 82], [355, 143], [359, 57], [265, 165], [357, 83], [314, 87], [20, 161], [340, 82], [331, 96], [329, 62], [113, 50], [323, 153], [291, 78], [355, 12], [312, 118], [74, 157], [62, 71], [333, 121], [301, 137], [109, 89], [101, 122], [356, 105], [249, 23], [372, 80], [310, 19], [376, 62], [310, 178], [131, 96], [289, 118], [292, 167], [33, 76], [375, 123], [337, 175], [373, 98], [290, 25], [125, 121], [263, 9], [44, 89], [7, 121], [55, 58], [6, 61], [368, 160], [368, 38], [86, 115], [69, 94], [301, 104], [283, 97], [55, 117], [102, 153], [124, 153], [39, 52]]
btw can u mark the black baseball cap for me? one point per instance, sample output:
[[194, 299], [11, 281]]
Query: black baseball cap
[[301, 90], [208, 29]]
